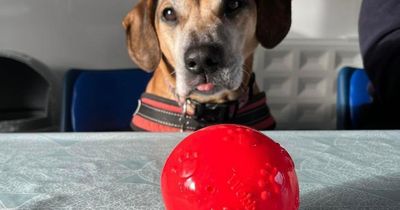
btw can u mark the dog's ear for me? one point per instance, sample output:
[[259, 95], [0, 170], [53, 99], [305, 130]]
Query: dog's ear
[[274, 18], [142, 41]]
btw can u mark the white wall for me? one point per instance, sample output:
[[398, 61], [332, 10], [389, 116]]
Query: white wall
[[88, 33], [66, 33], [325, 19]]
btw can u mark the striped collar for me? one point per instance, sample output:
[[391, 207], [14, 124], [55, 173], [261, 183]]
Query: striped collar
[[157, 114]]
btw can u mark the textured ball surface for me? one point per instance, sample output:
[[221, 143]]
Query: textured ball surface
[[229, 167]]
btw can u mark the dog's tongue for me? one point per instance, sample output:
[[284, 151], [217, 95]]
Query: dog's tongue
[[205, 87]]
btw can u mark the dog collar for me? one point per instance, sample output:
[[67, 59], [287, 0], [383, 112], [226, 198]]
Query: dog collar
[[157, 114]]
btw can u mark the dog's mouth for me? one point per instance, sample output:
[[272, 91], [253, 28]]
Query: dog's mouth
[[208, 89], [206, 86], [211, 87]]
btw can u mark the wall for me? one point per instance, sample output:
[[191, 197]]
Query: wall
[[66, 33], [325, 19], [88, 33], [299, 76]]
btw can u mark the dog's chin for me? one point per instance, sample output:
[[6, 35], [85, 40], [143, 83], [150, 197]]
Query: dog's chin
[[218, 94]]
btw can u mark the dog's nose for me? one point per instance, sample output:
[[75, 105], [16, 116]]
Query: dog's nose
[[203, 58]]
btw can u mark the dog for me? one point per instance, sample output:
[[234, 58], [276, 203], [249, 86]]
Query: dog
[[201, 54]]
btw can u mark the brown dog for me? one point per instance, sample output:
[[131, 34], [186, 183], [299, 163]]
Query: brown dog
[[201, 52]]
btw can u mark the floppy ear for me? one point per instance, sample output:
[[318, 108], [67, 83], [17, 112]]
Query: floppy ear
[[274, 18], [143, 46]]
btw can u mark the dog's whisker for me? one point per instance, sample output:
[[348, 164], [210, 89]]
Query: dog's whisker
[[242, 86], [193, 82], [244, 66], [246, 73]]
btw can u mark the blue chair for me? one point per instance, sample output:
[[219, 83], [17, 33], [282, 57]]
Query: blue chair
[[101, 100], [352, 96]]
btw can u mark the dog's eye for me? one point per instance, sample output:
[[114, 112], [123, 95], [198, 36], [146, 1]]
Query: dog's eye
[[232, 6], [169, 15]]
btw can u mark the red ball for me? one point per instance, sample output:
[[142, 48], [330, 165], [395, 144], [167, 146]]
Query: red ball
[[229, 167]]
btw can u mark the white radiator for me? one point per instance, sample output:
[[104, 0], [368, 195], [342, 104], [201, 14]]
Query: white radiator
[[299, 77]]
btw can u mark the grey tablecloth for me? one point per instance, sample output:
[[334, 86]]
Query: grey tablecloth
[[336, 170]]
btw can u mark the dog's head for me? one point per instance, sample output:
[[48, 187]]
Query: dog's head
[[208, 44]]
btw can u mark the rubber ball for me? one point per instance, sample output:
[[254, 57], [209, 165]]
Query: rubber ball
[[229, 167]]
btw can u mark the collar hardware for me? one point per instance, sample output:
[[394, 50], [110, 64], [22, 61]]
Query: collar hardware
[[207, 113]]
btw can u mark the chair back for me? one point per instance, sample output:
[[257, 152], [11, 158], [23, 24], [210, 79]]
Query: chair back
[[352, 96], [101, 100]]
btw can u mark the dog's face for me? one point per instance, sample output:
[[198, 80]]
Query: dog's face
[[205, 42]]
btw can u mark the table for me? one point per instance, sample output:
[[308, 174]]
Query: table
[[336, 169]]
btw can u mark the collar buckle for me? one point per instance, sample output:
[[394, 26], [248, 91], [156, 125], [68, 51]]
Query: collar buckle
[[207, 113]]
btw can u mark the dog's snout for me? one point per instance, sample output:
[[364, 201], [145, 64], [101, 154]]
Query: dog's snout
[[203, 58]]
